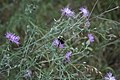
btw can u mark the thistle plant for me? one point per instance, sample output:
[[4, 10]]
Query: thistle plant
[[41, 54]]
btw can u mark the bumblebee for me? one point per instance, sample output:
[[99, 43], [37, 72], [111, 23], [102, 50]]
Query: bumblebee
[[61, 39]]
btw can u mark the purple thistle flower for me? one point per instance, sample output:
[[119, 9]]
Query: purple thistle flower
[[67, 56], [12, 38], [91, 37], [109, 76], [28, 74], [67, 12], [61, 45], [87, 24], [57, 43], [84, 11]]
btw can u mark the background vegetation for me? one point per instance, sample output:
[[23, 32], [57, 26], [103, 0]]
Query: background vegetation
[[34, 21]]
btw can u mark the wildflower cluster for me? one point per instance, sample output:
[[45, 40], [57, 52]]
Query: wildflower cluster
[[57, 42], [69, 13], [60, 45]]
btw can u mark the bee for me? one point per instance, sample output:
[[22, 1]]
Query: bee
[[61, 39], [59, 42]]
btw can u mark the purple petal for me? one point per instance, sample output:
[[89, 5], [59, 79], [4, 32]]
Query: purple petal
[[67, 12], [91, 37], [55, 42], [67, 56], [84, 11], [109, 76], [61, 45], [87, 24], [12, 37], [28, 73]]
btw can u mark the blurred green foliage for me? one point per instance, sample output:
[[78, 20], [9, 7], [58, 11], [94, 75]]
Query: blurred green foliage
[[18, 17]]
